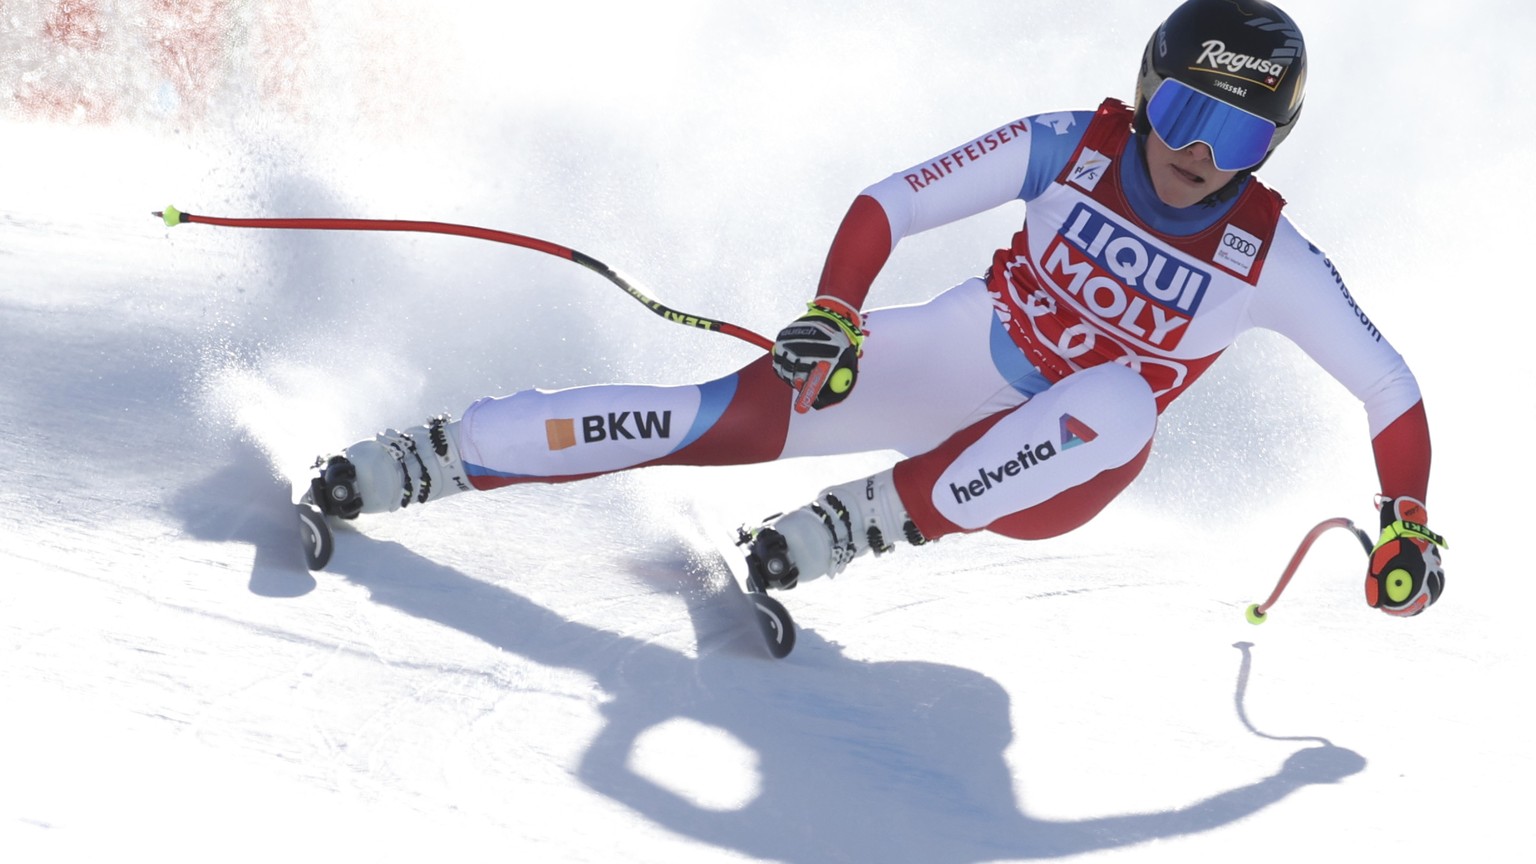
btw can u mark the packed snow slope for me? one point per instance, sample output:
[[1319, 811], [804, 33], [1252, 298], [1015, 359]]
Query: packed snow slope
[[557, 673]]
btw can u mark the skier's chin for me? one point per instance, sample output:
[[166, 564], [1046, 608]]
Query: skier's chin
[[1181, 197], [1178, 187]]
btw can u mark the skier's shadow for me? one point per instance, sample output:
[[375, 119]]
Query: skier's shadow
[[244, 502], [842, 744]]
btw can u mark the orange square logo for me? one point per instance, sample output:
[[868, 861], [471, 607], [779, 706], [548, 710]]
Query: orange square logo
[[561, 433]]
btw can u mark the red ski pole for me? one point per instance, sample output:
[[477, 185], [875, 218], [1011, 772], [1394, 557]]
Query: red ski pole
[[1258, 613], [174, 217]]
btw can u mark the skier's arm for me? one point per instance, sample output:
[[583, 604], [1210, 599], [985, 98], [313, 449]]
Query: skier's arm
[[1303, 297], [1014, 161], [818, 353], [1403, 454]]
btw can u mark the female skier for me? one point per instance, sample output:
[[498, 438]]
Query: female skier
[[1026, 399]]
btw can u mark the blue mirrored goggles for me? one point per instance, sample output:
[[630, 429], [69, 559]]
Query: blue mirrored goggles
[[1182, 115]]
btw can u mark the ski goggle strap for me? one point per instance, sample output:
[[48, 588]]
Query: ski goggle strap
[[1182, 115]]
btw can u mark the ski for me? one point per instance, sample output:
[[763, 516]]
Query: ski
[[315, 533], [318, 542], [773, 620], [333, 493]]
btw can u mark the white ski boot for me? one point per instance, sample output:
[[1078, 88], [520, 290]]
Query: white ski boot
[[394, 470], [821, 538]]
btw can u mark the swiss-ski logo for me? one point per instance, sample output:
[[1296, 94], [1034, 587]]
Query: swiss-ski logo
[[1060, 122]]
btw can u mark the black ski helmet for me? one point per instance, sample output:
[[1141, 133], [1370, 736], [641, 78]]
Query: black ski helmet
[[1248, 54]]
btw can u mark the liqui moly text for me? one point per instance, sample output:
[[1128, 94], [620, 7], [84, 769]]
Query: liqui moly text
[[1122, 280]]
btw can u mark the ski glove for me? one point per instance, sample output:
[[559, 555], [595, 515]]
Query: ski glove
[[818, 354], [1405, 575]]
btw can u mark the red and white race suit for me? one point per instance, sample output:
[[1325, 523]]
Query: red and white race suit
[[1023, 400]]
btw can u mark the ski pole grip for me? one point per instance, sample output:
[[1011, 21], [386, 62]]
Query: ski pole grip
[[811, 388]]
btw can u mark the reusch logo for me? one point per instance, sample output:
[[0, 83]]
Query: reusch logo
[[625, 425], [1074, 433]]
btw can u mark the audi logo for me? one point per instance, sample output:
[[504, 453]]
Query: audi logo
[[1239, 245]]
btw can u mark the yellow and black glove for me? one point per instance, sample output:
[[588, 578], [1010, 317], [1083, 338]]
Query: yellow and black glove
[[1405, 575], [818, 354]]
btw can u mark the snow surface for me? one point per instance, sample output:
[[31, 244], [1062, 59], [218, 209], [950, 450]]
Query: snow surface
[[554, 673]]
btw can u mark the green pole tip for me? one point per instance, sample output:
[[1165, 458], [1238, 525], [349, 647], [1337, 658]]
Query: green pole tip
[[171, 215], [1255, 616]]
